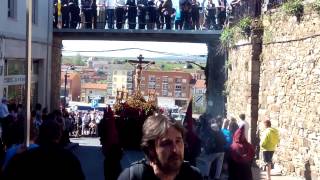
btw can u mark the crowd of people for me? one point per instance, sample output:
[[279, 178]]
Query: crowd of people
[[140, 14], [172, 149]]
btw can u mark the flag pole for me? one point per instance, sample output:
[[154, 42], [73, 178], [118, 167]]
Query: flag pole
[[28, 70]]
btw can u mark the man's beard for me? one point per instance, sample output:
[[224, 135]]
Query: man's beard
[[171, 165]]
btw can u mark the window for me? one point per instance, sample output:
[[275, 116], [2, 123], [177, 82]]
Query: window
[[115, 72], [178, 88], [14, 67], [129, 79], [165, 79], [109, 91], [12, 9], [35, 11], [152, 79], [178, 80], [177, 94], [158, 86], [129, 86], [35, 67], [165, 86], [114, 79], [151, 86], [164, 93]]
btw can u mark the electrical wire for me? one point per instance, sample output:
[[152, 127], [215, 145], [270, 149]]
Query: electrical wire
[[128, 49]]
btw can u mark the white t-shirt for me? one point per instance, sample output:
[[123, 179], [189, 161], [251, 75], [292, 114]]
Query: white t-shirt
[[246, 127]]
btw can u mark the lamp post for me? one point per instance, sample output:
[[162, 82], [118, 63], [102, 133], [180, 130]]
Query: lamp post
[[65, 85]]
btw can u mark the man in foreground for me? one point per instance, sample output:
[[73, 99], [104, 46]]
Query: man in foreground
[[163, 145]]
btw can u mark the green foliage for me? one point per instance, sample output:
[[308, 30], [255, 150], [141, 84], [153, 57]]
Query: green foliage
[[228, 65], [293, 7], [267, 35], [73, 60], [227, 37], [316, 6], [244, 24]]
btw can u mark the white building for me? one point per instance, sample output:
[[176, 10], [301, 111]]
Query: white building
[[13, 46]]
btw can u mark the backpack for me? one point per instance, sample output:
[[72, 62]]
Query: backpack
[[209, 143]]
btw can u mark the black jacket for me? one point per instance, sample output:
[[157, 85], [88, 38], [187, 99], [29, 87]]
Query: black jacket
[[141, 170]]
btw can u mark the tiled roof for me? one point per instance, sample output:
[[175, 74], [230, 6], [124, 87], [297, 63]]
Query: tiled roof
[[93, 86], [200, 84]]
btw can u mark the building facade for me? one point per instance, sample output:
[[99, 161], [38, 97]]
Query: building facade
[[91, 91], [13, 50], [172, 88], [73, 86], [119, 77]]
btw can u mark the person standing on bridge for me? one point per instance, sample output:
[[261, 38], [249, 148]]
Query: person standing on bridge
[[163, 145], [110, 11]]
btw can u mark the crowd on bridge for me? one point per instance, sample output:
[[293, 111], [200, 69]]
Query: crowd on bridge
[[141, 14], [215, 145]]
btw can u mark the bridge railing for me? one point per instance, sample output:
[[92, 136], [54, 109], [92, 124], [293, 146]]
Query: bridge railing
[[124, 18], [271, 4], [241, 9]]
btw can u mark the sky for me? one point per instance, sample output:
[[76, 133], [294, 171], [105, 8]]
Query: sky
[[134, 49]]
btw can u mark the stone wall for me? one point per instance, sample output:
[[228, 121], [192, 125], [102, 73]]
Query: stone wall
[[289, 87]]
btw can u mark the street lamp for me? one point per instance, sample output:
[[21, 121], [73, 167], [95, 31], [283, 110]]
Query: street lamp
[[65, 84]]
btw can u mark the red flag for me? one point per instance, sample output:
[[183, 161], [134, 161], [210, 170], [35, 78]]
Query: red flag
[[188, 122]]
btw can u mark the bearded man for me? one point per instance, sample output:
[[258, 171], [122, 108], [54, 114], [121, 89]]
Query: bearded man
[[163, 145]]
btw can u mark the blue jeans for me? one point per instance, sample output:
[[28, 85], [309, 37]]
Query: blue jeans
[[110, 18], [205, 160]]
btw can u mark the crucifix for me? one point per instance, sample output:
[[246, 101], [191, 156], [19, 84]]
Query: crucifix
[[138, 69]]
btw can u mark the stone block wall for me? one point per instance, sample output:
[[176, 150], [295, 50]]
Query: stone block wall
[[288, 71], [237, 87], [290, 89]]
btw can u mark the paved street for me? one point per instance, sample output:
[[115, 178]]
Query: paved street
[[91, 158]]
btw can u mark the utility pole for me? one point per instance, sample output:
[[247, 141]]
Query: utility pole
[[28, 71]]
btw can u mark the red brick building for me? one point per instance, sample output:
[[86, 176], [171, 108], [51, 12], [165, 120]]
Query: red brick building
[[73, 86], [172, 88]]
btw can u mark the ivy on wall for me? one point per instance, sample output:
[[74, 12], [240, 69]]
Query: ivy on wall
[[316, 6], [241, 30], [294, 8]]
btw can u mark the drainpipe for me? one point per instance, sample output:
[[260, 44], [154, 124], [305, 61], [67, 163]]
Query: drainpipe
[[2, 51]]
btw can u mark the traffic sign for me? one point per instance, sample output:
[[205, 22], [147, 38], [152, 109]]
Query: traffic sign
[[94, 103], [198, 100]]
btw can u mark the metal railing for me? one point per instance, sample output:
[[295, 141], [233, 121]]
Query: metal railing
[[241, 9], [271, 4], [124, 18]]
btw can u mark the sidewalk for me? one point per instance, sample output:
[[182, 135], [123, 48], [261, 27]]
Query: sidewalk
[[261, 175]]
